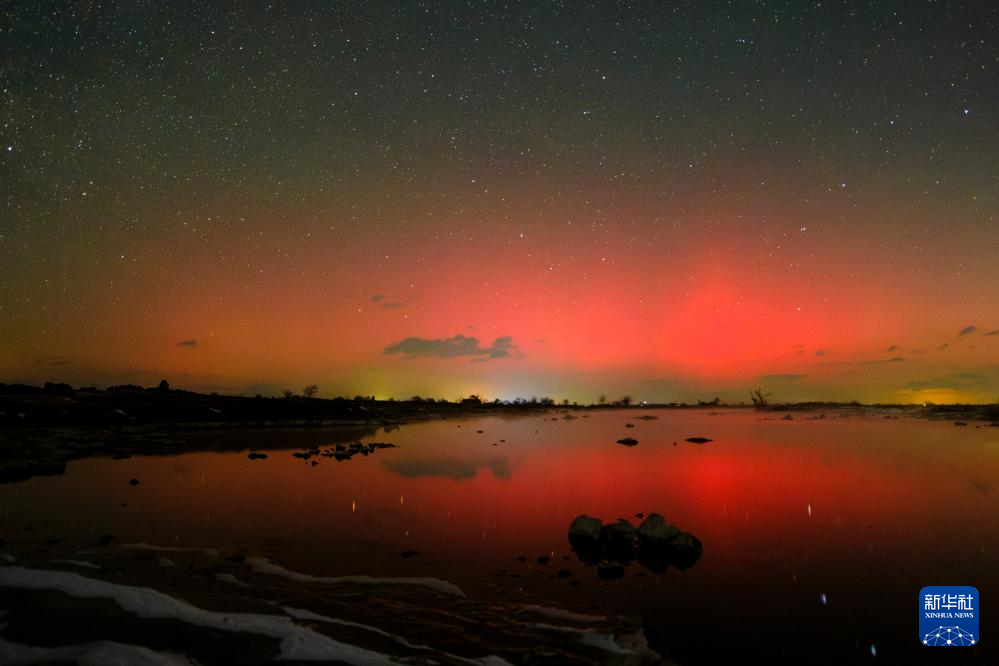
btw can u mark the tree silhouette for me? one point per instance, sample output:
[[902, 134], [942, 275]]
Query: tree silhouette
[[602, 399], [759, 398], [626, 400], [288, 393], [310, 391]]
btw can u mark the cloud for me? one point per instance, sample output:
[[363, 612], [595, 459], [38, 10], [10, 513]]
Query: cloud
[[190, 344], [893, 359], [781, 378], [967, 330], [892, 348], [991, 333], [454, 347], [52, 361], [968, 381], [935, 383]]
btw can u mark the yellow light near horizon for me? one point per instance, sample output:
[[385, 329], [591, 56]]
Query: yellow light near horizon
[[937, 396]]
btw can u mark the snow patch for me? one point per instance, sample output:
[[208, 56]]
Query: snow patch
[[297, 642], [106, 653], [265, 566]]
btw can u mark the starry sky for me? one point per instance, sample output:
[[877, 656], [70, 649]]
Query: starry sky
[[671, 200]]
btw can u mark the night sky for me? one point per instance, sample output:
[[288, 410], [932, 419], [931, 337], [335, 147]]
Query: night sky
[[673, 200]]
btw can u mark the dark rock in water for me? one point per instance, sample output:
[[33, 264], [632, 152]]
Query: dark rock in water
[[257, 456], [585, 529], [410, 553], [574, 582], [698, 440], [629, 425], [619, 535], [647, 417], [315, 462], [584, 537], [655, 532], [994, 424], [522, 559], [610, 570], [787, 417], [628, 441], [685, 551], [639, 515], [133, 482], [960, 423], [105, 539], [303, 456], [563, 573], [479, 431], [544, 559]]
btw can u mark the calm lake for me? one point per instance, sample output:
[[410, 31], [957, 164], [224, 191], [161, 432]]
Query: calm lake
[[817, 534]]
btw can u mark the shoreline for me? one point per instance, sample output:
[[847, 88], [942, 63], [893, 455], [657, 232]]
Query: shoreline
[[41, 432]]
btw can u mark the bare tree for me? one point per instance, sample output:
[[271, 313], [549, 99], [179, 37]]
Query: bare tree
[[310, 391], [288, 393], [759, 398], [626, 400]]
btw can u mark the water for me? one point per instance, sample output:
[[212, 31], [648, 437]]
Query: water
[[817, 534]]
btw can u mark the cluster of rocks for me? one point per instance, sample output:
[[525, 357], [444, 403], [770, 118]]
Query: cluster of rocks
[[655, 544], [343, 451], [338, 452]]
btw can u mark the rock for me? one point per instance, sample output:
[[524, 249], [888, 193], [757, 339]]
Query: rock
[[303, 456], [628, 441], [655, 532], [698, 440], [619, 535], [960, 423], [610, 570], [686, 550], [629, 425], [522, 558], [787, 417], [133, 482], [563, 573], [585, 530], [257, 456], [544, 559], [409, 553]]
